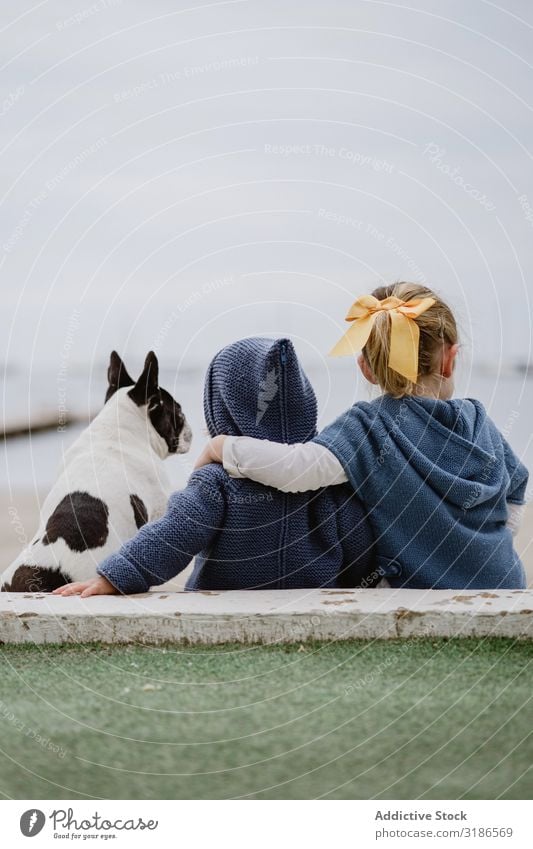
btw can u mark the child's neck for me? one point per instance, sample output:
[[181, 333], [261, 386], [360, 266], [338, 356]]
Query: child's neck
[[435, 386]]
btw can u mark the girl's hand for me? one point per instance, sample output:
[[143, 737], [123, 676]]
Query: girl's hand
[[212, 452], [97, 586]]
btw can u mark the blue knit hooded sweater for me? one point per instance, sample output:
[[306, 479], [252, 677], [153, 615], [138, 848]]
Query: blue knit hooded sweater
[[436, 478], [244, 535]]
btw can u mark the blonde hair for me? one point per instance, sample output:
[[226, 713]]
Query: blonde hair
[[437, 327]]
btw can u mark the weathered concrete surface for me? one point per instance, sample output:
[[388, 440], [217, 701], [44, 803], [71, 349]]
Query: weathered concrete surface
[[270, 617]]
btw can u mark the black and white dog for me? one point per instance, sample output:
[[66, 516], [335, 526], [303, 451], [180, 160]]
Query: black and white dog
[[112, 482]]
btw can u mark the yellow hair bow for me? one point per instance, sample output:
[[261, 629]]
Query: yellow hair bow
[[405, 333]]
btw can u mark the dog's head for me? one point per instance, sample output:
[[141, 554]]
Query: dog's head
[[164, 413]]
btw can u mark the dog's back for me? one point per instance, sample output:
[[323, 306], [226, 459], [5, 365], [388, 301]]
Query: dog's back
[[112, 482]]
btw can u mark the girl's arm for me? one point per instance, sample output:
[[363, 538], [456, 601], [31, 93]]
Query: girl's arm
[[290, 468], [162, 549]]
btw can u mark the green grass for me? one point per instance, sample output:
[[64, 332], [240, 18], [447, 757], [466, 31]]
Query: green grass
[[422, 719]]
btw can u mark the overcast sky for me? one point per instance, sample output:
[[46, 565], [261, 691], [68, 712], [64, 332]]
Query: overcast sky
[[180, 177]]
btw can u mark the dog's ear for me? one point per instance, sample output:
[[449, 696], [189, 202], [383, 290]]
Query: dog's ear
[[148, 383], [117, 375]]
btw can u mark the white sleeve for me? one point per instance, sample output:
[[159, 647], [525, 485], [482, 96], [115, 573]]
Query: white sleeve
[[515, 514], [291, 468]]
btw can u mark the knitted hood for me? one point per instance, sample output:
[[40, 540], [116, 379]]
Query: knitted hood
[[257, 387]]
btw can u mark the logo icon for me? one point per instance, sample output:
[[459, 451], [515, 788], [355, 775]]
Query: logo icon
[[268, 389], [32, 822]]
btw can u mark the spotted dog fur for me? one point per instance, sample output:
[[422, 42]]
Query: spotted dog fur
[[111, 483]]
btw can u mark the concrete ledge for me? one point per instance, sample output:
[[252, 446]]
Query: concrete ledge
[[285, 616]]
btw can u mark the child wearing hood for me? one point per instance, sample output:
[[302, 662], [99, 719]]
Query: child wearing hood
[[243, 535], [443, 489]]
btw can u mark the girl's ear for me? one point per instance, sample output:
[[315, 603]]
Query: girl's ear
[[366, 370], [449, 353]]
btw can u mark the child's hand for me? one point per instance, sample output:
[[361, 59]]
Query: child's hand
[[96, 586], [212, 452]]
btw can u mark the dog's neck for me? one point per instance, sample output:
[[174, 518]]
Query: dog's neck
[[125, 427]]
